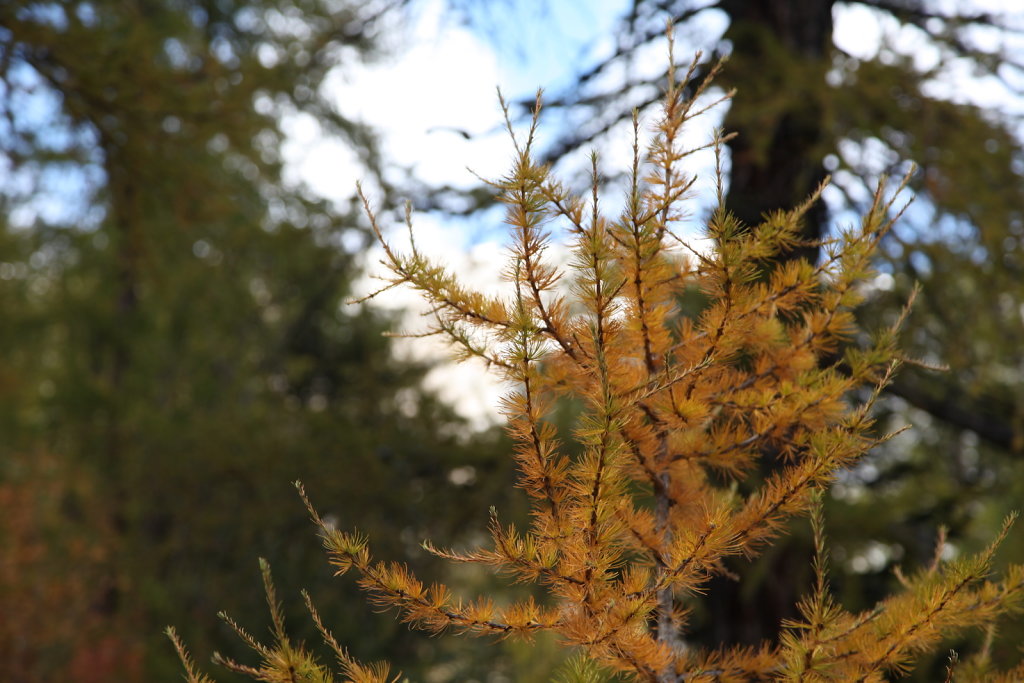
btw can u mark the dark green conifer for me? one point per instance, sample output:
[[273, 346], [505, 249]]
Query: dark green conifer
[[174, 334]]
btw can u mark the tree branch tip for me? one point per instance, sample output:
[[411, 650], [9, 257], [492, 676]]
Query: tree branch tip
[[923, 364]]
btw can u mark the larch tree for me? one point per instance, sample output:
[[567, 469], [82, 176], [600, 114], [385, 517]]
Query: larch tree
[[858, 89], [679, 414]]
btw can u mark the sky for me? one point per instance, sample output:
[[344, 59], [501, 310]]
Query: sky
[[438, 78]]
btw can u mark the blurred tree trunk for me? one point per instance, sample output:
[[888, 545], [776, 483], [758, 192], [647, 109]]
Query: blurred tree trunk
[[781, 50]]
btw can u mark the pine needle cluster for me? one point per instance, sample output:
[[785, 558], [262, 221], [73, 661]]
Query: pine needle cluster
[[683, 416]]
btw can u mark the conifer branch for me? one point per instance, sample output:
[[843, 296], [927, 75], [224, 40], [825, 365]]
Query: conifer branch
[[678, 409], [192, 675]]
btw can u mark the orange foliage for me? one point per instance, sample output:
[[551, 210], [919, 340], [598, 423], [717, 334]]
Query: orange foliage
[[679, 412]]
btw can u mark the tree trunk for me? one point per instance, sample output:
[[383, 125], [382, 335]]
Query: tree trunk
[[781, 51]]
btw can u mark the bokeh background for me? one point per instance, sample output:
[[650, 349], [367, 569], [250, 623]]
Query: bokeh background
[[179, 236]]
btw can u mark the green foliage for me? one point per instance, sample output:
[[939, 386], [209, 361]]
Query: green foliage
[[174, 334], [580, 669]]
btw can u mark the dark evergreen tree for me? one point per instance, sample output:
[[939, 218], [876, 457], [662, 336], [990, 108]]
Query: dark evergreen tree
[[174, 331]]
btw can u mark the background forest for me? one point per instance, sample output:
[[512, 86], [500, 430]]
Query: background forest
[[175, 350]]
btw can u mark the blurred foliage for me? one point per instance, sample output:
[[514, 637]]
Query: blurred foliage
[[176, 350], [47, 579]]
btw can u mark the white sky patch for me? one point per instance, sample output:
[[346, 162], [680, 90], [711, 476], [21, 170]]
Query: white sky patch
[[442, 82], [329, 166], [857, 30]]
